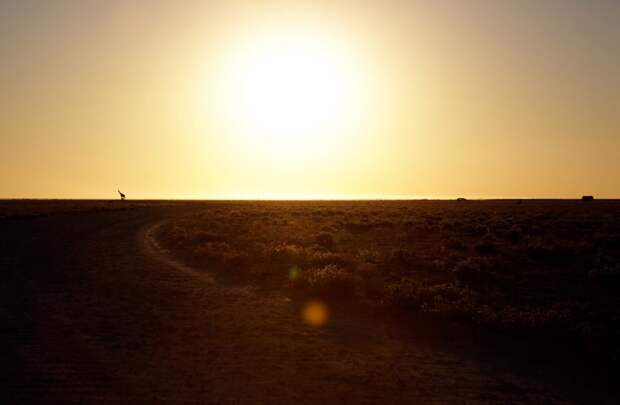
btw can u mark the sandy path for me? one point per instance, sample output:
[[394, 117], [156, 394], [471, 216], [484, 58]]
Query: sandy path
[[105, 316]]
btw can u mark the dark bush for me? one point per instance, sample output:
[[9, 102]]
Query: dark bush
[[403, 259], [329, 281], [358, 227], [318, 258], [221, 253], [475, 230], [486, 248], [325, 239], [286, 255], [514, 235], [446, 299], [454, 244], [473, 271], [548, 253]]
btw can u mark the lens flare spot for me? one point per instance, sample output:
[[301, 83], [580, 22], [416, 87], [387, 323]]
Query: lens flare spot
[[315, 313], [294, 273]]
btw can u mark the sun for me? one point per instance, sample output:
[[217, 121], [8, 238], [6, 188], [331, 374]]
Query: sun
[[291, 91]]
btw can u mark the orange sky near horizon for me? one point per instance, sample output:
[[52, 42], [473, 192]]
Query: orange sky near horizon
[[309, 99]]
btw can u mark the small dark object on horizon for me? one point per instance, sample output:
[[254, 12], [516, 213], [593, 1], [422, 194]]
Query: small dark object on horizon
[[121, 194], [587, 198], [461, 199]]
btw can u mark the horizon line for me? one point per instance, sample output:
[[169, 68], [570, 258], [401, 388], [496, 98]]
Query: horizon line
[[306, 199]]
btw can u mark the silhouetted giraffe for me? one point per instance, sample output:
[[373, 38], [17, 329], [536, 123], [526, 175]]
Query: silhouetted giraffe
[[122, 195]]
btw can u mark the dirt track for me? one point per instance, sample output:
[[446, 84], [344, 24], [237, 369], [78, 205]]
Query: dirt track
[[98, 314]]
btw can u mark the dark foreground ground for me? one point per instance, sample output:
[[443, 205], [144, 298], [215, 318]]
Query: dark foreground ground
[[429, 302]]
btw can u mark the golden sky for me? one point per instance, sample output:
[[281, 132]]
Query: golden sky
[[317, 99]]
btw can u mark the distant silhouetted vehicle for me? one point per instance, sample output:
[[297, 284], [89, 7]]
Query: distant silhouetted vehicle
[[461, 199], [121, 194], [587, 198]]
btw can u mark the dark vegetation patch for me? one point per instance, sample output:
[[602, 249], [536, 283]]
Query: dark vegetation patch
[[28, 209], [546, 270]]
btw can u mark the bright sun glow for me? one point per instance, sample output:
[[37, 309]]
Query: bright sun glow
[[291, 92]]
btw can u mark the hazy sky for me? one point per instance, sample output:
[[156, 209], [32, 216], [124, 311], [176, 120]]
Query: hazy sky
[[259, 99]]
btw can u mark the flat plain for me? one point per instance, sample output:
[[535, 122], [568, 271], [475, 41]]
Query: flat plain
[[491, 301]]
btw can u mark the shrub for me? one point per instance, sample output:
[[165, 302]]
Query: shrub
[[475, 230], [177, 234], [555, 320], [368, 255], [319, 258], [221, 253], [358, 227], [372, 280], [404, 294], [454, 244], [514, 235], [446, 299], [549, 253], [366, 269], [286, 254], [325, 239], [404, 257], [606, 277], [473, 271], [486, 248], [330, 280]]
